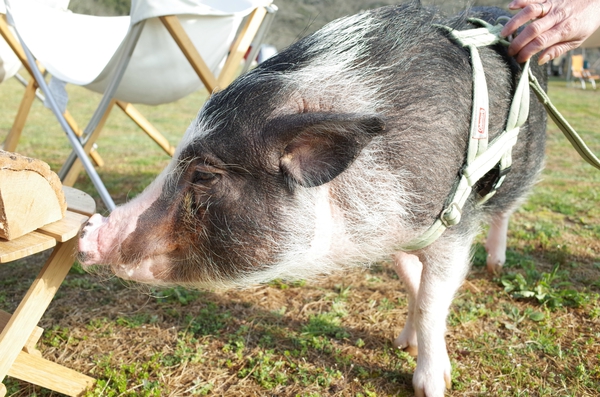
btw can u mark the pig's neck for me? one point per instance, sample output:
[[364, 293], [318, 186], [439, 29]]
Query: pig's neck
[[324, 226], [328, 225]]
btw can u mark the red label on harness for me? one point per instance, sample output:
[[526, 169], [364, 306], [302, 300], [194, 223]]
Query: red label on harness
[[481, 124]]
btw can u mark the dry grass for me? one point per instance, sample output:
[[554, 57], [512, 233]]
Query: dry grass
[[332, 337]]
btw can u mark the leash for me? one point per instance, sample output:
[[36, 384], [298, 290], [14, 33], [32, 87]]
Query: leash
[[569, 132], [483, 156]]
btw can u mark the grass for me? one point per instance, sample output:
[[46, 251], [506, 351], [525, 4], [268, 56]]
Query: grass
[[533, 331]]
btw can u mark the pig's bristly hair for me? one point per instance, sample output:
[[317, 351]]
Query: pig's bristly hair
[[354, 65], [336, 59]]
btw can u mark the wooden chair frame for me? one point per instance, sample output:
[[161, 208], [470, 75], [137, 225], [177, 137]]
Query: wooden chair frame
[[19, 332], [238, 49]]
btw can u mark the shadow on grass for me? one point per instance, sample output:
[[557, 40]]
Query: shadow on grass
[[281, 337]]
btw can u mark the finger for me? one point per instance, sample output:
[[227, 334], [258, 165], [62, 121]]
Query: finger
[[531, 36], [555, 51], [529, 13], [549, 39], [518, 4]]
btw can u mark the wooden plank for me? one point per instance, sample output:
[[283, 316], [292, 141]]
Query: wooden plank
[[34, 304], [46, 237], [65, 229], [186, 45], [26, 245], [50, 375], [34, 337], [78, 201]]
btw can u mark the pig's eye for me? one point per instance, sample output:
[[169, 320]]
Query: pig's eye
[[203, 177]]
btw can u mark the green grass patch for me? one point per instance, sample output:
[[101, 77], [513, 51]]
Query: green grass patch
[[532, 331]]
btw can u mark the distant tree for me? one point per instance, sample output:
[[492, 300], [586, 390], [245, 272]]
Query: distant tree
[[100, 7]]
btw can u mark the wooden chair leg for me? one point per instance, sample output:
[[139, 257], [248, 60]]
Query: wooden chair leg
[[12, 139], [148, 128], [73, 124], [189, 50], [34, 304], [31, 341], [238, 49], [22, 324], [240, 46]]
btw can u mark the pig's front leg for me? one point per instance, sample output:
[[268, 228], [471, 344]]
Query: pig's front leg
[[409, 267], [444, 270], [495, 243]]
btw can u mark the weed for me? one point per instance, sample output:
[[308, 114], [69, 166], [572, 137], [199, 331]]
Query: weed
[[136, 320], [283, 285], [177, 295], [128, 379], [326, 325], [547, 289], [57, 336], [187, 350], [209, 321]]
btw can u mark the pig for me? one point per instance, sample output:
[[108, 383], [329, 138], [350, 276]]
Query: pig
[[334, 153]]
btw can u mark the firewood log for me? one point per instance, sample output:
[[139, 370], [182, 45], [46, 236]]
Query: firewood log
[[31, 195]]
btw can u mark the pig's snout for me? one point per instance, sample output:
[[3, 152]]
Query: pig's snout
[[89, 249], [121, 243]]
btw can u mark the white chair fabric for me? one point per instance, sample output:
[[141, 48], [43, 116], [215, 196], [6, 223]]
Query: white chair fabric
[[84, 50], [9, 63]]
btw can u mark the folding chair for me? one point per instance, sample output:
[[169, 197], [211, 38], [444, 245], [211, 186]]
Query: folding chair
[[160, 53], [578, 71]]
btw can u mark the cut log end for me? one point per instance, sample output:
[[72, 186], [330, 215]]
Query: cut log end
[[31, 195]]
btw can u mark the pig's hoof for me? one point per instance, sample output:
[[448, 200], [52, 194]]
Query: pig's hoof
[[432, 382], [494, 267], [494, 264], [408, 343], [495, 260]]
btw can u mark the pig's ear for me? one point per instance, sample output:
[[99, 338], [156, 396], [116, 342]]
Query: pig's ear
[[316, 147]]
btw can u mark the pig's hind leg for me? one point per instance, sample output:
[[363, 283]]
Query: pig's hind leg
[[495, 243], [409, 268], [445, 265]]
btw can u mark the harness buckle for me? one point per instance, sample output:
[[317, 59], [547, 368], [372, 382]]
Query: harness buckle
[[451, 215]]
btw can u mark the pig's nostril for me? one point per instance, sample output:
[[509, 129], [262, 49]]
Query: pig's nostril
[[83, 257]]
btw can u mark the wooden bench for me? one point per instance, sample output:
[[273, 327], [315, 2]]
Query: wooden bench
[[18, 356]]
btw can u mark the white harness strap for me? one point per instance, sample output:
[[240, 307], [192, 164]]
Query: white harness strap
[[481, 156]]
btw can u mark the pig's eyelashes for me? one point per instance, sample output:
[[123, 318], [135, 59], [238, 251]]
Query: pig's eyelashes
[[203, 177]]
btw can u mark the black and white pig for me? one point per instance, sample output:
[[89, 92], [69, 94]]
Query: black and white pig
[[333, 153]]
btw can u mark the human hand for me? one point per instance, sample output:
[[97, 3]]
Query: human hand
[[558, 26]]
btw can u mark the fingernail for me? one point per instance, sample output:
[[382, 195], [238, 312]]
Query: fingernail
[[543, 60]]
